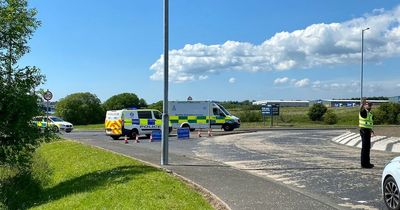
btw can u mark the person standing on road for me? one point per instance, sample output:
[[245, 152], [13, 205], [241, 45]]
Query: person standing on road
[[366, 123]]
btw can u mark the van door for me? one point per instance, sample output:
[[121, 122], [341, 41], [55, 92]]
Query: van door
[[146, 121], [218, 118]]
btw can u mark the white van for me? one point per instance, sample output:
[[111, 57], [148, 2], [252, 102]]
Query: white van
[[201, 114], [132, 122]]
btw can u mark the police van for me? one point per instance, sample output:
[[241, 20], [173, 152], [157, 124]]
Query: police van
[[131, 123], [201, 114]]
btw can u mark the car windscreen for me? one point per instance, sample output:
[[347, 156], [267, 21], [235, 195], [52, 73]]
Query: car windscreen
[[224, 110], [56, 119]]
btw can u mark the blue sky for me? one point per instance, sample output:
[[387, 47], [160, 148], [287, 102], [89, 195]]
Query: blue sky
[[220, 50]]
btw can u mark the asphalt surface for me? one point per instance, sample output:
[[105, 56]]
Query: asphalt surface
[[283, 169]]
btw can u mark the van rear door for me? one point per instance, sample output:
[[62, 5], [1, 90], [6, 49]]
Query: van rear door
[[113, 123]]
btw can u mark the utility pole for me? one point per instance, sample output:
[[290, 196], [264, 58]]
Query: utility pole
[[362, 64], [165, 118]]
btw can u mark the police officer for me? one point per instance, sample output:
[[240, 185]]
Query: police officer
[[366, 123]]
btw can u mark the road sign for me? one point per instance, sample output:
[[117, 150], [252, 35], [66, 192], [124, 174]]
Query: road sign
[[270, 109], [48, 95]]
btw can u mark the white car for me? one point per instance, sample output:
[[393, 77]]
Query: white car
[[55, 122], [390, 187]]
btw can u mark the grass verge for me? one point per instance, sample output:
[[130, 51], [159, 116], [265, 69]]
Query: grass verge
[[90, 127], [70, 175]]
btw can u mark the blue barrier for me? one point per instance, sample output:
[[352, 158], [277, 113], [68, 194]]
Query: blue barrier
[[183, 133], [156, 135]]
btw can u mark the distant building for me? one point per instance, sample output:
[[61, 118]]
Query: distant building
[[394, 99], [284, 103], [345, 103]]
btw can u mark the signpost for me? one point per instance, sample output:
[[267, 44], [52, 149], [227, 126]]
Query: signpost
[[270, 110], [47, 96]]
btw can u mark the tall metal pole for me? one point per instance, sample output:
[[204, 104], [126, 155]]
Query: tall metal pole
[[362, 65], [165, 127]]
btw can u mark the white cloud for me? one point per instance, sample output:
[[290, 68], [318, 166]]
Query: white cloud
[[316, 45], [302, 83], [203, 77], [398, 85], [280, 80], [232, 80]]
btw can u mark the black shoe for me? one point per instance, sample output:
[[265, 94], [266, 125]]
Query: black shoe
[[368, 166]]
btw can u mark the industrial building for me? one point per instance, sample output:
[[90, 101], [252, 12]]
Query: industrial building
[[284, 103], [394, 99]]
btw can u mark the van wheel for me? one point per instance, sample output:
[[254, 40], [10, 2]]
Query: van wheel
[[227, 127], [186, 126], [134, 133], [115, 137]]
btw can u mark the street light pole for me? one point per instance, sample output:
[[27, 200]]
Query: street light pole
[[362, 64], [165, 118]]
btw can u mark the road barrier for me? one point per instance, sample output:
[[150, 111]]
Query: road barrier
[[183, 133], [155, 135]]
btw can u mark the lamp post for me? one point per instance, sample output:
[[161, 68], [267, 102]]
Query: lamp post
[[165, 123], [362, 63]]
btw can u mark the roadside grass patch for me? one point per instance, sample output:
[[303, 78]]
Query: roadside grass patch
[[70, 175]]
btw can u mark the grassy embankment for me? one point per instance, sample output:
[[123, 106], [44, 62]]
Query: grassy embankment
[[297, 117], [70, 175]]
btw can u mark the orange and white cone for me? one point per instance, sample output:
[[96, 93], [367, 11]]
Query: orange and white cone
[[199, 133], [151, 137], [126, 139], [137, 139], [209, 133]]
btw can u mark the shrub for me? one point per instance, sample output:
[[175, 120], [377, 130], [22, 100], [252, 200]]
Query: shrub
[[81, 109], [330, 118], [124, 101], [316, 112], [387, 113], [249, 116]]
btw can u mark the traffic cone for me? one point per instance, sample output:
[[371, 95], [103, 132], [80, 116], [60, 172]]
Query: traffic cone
[[126, 140], [198, 134], [209, 133], [137, 138], [151, 137]]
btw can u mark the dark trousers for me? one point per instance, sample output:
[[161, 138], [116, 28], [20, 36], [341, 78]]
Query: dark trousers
[[366, 146]]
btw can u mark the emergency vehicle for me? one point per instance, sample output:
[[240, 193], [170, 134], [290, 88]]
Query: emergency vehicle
[[53, 122], [201, 114], [131, 123]]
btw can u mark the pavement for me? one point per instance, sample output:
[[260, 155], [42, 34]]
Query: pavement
[[281, 169], [380, 143]]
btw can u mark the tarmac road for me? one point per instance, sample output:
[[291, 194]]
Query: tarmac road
[[282, 169]]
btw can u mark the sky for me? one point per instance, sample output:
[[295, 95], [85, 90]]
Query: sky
[[219, 49]]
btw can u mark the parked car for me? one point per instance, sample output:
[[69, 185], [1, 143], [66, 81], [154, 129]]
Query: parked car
[[390, 187], [53, 122]]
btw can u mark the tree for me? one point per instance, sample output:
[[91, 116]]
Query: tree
[[316, 112], [124, 101], [80, 109], [388, 113], [18, 102], [330, 118], [142, 103], [157, 105]]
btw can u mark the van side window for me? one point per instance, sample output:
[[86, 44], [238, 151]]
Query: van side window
[[144, 115], [157, 115]]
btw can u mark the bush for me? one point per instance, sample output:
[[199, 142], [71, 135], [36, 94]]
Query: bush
[[330, 118], [250, 116], [81, 109], [387, 113], [316, 112], [124, 101]]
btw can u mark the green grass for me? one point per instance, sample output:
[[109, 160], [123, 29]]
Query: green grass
[[297, 117], [90, 127], [75, 176]]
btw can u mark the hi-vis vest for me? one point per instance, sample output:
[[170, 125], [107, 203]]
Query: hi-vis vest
[[366, 122]]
